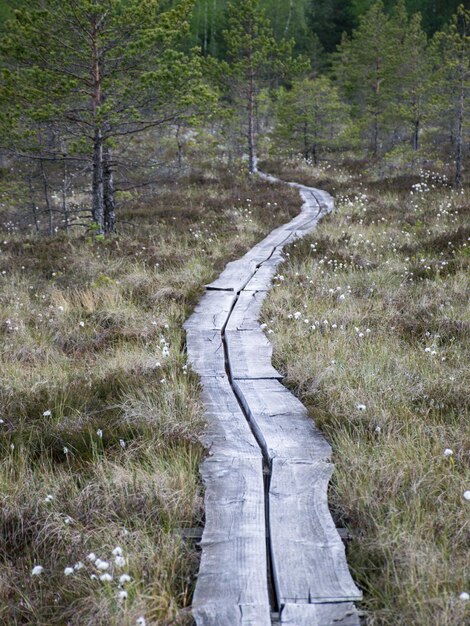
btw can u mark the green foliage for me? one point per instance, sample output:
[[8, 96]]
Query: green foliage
[[255, 60], [81, 77], [366, 67], [311, 116], [452, 81]]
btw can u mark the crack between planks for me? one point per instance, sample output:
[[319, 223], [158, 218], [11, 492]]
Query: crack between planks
[[276, 606], [273, 593]]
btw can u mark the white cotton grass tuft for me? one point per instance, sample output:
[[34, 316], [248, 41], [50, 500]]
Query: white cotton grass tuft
[[48, 498], [68, 571], [124, 578], [78, 566], [464, 596], [141, 621], [106, 578], [117, 551], [37, 570], [361, 407], [122, 595], [101, 565], [91, 557], [120, 561], [466, 495], [47, 413], [448, 452]]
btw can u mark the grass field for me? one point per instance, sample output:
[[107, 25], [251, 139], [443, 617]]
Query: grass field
[[100, 416], [371, 324]]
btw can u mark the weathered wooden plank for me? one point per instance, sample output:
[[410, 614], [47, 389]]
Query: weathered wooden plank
[[249, 354], [331, 614], [233, 562], [308, 556], [281, 422], [205, 352], [275, 239], [246, 312], [235, 276], [212, 311], [262, 280], [322, 199], [235, 615], [302, 221], [228, 433]]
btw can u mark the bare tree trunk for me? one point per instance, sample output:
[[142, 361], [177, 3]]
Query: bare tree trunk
[[459, 139], [65, 208], [108, 193], [415, 139], [205, 44], [47, 198], [306, 144], [98, 182], [315, 153], [33, 204], [96, 99], [289, 19], [251, 121], [179, 144]]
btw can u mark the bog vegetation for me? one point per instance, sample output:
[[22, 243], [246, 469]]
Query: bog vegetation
[[129, 133]]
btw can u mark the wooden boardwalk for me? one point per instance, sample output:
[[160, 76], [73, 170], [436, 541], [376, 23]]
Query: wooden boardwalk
[[270, 550]]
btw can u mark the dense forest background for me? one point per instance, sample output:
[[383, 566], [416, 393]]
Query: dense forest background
[[101, 98], [300, 19]]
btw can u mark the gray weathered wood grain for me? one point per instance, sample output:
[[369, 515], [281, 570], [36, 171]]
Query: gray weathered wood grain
[[212, 311], [227, 433], [233, 562], [246, 313], [235, 275], [281, 421], [334, 614], [262, 279], [249, 354], [205, 352], [312, 580], [309, 561], [232, 615]]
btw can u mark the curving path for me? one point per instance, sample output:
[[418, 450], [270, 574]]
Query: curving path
[[270, 550]]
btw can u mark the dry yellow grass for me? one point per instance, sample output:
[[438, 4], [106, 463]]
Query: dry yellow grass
[[371, 324], [100, 416]]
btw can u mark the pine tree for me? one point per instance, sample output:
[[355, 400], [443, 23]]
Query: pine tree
[[413, 74], [255, 59], [82, 76], [311, 116], [452, 80], [366, 68]]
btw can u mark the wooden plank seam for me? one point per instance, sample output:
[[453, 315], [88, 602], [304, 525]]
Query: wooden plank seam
[[267, 474]]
